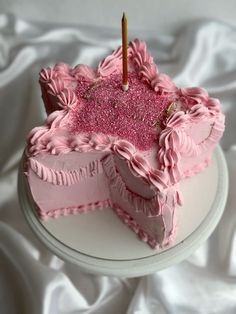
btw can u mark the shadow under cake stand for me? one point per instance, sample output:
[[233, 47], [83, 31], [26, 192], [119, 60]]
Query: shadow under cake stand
[[98, 242]]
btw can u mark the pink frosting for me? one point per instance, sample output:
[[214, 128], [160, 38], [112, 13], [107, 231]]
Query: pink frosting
[[175, 142], [147, 69], [63, 177], [111, 64], [84, 71], [152, 207], [73, 210], [162, 83], [67, 99], [142, 234], [193, 95], [53, 81], [46, 75], [124, 149], [183, 143], [139, 166], [55, 86], [140, 55]]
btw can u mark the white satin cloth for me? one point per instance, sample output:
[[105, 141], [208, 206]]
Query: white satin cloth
[[34, 281]]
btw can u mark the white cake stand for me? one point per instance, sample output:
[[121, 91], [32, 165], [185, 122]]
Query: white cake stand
[[98, 242]]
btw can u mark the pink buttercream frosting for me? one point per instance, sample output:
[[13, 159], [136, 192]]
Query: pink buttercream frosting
[[140, 143], [63, 177], [73, 210]]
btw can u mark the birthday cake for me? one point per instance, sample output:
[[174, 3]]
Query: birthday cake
[[102, 147]]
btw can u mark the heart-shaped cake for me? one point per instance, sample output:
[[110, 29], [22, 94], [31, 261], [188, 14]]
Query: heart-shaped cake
[[127, 150]]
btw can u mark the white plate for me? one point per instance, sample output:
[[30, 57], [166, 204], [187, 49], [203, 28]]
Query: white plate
[[100, 243]]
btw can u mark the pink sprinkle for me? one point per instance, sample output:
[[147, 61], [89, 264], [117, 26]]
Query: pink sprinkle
[[105, 108]]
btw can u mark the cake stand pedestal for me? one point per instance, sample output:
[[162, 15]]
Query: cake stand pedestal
[[98, 242]]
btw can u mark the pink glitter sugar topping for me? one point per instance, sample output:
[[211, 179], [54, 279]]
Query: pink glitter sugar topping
[[105, 108]]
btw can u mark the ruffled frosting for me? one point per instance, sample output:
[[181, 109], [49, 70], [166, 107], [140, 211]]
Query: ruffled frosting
[[150, 207], [193, 95], [85, 71], [65, 177], [147, 69], [111, 64], [139, 166]]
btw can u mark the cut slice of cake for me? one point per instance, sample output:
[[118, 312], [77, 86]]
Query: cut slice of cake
[[103, 147]]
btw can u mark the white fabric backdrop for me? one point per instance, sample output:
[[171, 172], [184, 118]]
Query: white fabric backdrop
[[163, 16], [32, 280]]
